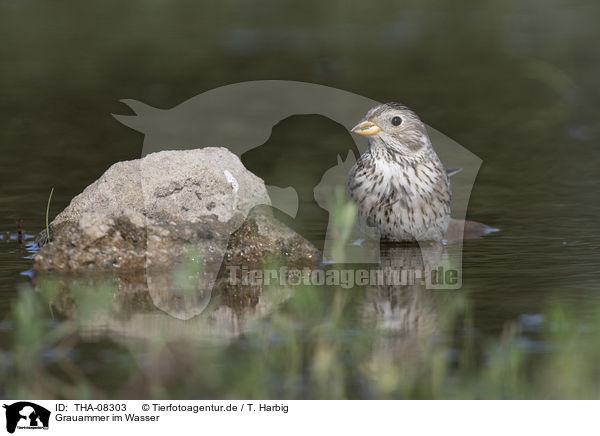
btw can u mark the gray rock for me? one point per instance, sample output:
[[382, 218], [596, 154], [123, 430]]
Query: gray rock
[[173, 185], [152, 212]]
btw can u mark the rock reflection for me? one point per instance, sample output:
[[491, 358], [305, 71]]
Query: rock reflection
[[142, 307]]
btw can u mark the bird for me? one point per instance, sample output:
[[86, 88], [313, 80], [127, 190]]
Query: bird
[[399, 184]]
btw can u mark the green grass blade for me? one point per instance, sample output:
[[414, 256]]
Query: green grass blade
[[47, 213]]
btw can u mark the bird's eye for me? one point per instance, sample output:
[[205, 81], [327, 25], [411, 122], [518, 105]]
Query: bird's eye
[[396, 121]]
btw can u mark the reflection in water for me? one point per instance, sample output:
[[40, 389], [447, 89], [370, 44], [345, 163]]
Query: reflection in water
[[134, 308], [154, 304], [406, 315]]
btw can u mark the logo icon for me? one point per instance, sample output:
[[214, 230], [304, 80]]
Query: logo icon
[[262, 121], [26, 415]]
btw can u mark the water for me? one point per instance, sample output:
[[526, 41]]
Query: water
[[515, 84]]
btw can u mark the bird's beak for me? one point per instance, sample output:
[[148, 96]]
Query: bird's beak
[[366, 128]]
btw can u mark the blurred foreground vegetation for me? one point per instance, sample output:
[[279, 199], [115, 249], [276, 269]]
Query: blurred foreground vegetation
[[310, 347]]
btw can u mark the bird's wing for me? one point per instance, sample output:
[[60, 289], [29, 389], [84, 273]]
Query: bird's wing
[[452, 171]]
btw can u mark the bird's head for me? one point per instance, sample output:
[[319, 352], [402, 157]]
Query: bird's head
[[396, 127]]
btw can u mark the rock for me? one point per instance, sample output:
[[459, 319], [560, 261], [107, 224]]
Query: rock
[[174, 220], [150, 213], [173, 185], [262, 231]]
